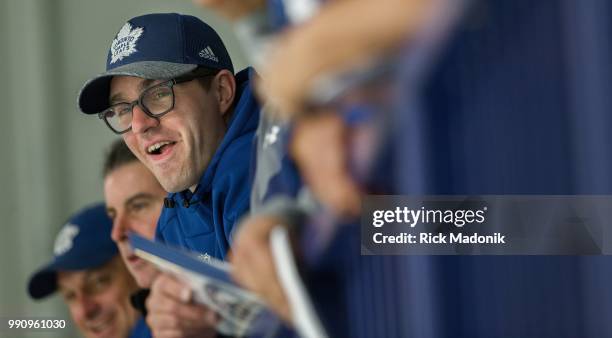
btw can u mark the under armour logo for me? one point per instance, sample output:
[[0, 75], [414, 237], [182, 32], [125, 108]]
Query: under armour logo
[[204, 257], [271, 136]]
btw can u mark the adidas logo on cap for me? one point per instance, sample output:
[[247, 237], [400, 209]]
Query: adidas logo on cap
[[207, 53]]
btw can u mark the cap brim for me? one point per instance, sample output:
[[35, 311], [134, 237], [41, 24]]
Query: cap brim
[[42, 284], [93, 97], [44, 281]]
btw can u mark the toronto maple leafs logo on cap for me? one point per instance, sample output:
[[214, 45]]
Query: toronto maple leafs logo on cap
[[124, 43], [63, 241]]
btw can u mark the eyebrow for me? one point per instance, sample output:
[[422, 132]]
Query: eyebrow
[[93, 274], [118, 97], [138, 196], [145, 84], [88, 275]]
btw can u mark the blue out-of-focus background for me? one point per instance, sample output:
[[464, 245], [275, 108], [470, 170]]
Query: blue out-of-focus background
[[52, 155]]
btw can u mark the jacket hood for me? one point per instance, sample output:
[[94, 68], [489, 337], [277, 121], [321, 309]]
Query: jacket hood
[[243, 122]]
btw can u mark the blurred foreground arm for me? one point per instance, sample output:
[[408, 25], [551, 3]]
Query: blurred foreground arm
[[345, 34], [232, 9], [319, 148], [253, 266]]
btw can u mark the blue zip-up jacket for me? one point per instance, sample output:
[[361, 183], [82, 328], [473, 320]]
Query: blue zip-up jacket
[[203, 221]]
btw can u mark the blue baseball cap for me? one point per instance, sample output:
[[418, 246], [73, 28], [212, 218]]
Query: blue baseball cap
[[156, 47], [83, 243]]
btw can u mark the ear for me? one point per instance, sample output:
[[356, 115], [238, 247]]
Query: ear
[[224, 86]]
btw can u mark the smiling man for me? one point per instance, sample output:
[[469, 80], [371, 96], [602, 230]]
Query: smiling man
[[88, 272], [134, 200], [170, 90]]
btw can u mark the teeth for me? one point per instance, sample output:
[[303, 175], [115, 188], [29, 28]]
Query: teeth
[[156, 146], [99, 325]]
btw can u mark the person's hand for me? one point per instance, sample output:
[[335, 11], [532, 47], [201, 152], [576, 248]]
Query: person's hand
[[286, 79], [232, 9], [172, 314], [253, 266], [319, 148], [331, 44]]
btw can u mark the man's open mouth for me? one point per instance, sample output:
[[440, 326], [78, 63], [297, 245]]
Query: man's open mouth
[[158, 148]]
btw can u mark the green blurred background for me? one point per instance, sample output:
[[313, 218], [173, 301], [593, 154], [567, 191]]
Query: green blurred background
[[52, 155]]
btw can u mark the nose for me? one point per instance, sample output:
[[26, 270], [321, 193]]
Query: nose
[[87, 307], [141, 122], [120, 228]]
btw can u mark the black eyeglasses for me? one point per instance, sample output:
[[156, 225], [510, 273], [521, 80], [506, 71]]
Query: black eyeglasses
[[155, 101]]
